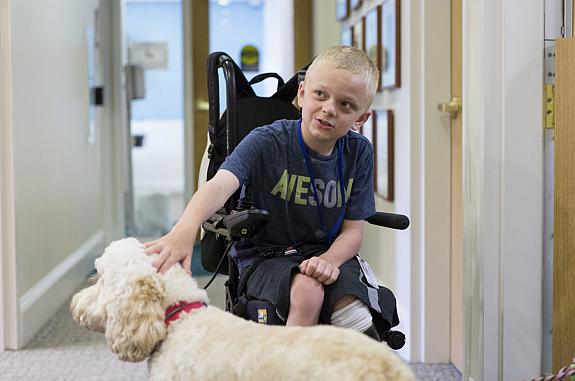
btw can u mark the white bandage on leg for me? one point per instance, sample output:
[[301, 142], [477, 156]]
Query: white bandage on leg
[[355, 316]]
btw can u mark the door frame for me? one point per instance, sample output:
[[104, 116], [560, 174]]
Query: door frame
[[8, 292], [190, 177], [456, 348], [196, 49], [117, 144], [554, 21], [432, 236]]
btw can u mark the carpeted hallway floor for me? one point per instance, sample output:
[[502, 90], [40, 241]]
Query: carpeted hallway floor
[[64, 351]]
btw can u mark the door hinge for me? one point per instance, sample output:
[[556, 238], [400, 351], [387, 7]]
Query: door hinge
[[549, 64], [549, 105]]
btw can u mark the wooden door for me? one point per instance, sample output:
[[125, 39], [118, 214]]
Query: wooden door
[[303, 29], [200, 49], [564, 208], [456, 326]]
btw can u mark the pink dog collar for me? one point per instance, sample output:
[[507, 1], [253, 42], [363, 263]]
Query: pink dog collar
[[173, 311]]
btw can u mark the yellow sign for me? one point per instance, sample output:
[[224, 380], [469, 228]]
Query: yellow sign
[[250, 58]]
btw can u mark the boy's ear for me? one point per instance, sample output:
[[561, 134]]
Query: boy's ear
[[300, 92], [360, 121]]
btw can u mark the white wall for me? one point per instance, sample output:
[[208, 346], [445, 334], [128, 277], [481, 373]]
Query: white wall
[[503, 187], [57, 175], [278, 40]]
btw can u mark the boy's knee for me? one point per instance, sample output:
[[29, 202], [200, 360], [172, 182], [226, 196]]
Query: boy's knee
[[354, 315], [305, 289], [344, 301]]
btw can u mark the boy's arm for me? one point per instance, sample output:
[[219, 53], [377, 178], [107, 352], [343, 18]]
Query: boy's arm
[[177, 245], [325, 268]]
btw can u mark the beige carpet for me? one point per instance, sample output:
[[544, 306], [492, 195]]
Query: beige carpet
[[64, 351]]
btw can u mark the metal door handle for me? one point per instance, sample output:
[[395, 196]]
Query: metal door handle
[[452, 107]]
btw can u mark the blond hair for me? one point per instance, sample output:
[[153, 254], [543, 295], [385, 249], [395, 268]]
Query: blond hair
[[355, 61]]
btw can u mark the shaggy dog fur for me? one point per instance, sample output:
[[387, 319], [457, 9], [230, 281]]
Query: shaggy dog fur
[[128, 303]]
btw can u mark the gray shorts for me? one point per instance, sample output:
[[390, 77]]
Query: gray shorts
[[271, 281]]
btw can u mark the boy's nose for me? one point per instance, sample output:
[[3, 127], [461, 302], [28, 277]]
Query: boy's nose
[[328, 108]]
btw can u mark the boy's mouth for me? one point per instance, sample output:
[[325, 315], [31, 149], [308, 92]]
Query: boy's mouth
[[324, 123]]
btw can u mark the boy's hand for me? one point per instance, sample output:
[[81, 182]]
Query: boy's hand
[[173, 248], [320, 269]]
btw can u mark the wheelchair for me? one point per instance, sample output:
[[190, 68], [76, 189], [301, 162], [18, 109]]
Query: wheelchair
[[240, 219]]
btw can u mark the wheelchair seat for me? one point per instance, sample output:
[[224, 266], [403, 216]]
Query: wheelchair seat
[[240, 219]]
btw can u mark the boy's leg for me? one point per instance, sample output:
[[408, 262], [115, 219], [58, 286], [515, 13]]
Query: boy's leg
[[271, 281], [377, 305], [350, 312], [306, 300], [343, 301]]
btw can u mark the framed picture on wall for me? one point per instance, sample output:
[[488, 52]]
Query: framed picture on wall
[[368, 128], [384, 154], [346, 36], [355, 4], [391, 46], [341, 9], [358, 40], [373, 37]]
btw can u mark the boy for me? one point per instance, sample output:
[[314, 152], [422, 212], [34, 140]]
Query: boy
[[314, 176]]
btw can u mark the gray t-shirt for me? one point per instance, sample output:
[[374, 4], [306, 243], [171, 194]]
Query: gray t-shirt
[[270, 159]]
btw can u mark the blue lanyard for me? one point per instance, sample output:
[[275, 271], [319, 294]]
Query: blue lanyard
[[330, 235]]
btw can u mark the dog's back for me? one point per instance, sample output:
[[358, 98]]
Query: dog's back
[[214, 345]]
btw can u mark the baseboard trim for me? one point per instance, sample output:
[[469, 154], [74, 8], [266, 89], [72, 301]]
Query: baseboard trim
[[40, 303]]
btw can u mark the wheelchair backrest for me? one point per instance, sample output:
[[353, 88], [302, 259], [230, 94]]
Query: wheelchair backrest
[[244, 111]]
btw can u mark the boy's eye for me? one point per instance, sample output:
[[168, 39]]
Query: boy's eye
[[346, 105], [319, 93]]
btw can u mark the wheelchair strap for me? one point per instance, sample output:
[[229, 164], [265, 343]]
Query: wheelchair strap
[[260, 77]]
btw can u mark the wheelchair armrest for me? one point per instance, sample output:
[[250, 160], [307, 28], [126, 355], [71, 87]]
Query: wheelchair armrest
[[389, 220], [215, 224], [245, 223], [237, 224]]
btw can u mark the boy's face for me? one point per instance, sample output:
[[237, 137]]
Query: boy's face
[[333, 101]]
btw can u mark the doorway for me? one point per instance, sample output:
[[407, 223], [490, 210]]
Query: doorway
[[154, 42]]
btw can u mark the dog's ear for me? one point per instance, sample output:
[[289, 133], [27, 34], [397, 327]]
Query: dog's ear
[[86, 310], [136, 319]]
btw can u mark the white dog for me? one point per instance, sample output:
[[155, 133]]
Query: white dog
[[129, 303]]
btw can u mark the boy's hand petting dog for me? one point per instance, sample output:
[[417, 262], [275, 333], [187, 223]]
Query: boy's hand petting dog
[[172, 248], [320, 269]]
